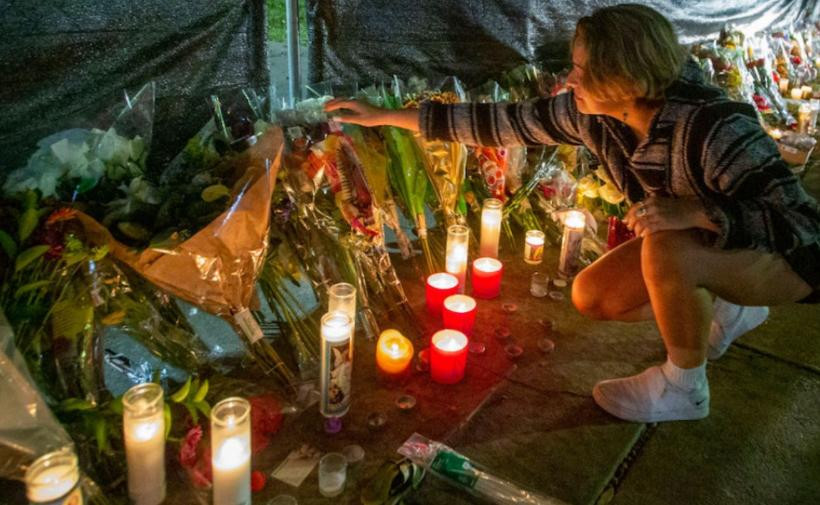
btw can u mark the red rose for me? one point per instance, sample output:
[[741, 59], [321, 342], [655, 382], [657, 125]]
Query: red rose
[[258, 481]]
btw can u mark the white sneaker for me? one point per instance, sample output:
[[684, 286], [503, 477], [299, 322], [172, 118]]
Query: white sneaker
[[650, 397], [731, 321]]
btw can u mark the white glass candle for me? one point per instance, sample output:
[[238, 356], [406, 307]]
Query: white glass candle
[[143, 426], [796, 93], [341, 297], [806, 92], [54, 479], [231, 451], [574, 223], [534, 247], [803, 118], [784, 85], [490, 228], [456, 254], [337, 364]]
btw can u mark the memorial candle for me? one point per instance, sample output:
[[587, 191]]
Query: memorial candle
[[487, 277], [456, 254], [796, 93], [784, 86], [458, 313], [143, 425], [439, 286], [393, 352], [534, 247], [341, 297], [231, 451], [574, 224], [448, 356], [54, 478], [490, 227], [336, 364]]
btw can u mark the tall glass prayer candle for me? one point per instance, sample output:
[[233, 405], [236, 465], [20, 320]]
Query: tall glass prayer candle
[[490, 227], [803, 117], [796, 93], [393, 353], [448, 356], [53, 479], [807, 92], [534, 247], [341, 297], [487, 277], [456, 255], [438, 287], [337, 364], [231, 451], [459, 312], [143, 426], [574, 223], [784, 86]]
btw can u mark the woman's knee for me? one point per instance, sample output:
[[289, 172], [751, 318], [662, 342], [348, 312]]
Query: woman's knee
[[588, 296], [667, 255]]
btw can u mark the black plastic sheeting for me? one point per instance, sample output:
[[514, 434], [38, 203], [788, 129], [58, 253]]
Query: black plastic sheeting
[[63, 62], [370, 40]]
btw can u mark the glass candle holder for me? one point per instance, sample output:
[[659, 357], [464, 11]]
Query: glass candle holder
[[143, 426], [487, 277], [341, 297], [574, 224], [796, 93], [231, 451], [539, 284], [438, 287], [490, 227], [332, 474], [448, 356], [784, 86], [54, 479], [394, 352], [807, 91], [337, 364], [533, 247], [456, 254], [459, 312]]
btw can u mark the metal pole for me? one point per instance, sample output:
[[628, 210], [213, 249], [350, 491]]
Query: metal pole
[[292, 21]]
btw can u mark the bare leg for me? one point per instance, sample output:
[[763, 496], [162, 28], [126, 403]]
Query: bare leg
[[613, 288], [680, 272]]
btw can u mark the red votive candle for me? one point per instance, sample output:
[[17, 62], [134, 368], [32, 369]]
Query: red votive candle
[[448, 356], [458, 313], [487, 277], [439, 287]]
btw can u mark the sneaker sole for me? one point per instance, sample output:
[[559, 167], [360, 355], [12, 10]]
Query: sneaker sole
[[641, 417]]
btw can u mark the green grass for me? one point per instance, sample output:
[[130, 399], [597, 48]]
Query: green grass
[[277, 30]]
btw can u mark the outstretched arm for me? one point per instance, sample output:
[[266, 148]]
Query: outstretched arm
[[363, 114]]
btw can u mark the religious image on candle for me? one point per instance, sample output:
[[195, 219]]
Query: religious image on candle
[[534, 247], [143, 427], [490, 227], [337, 364], [574, 224]]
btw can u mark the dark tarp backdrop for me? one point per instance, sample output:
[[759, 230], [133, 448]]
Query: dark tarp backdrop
[[370, 40], [61, 60]]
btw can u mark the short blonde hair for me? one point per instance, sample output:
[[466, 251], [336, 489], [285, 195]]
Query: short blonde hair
[[632, 52]]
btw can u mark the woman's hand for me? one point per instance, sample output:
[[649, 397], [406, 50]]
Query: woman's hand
[[658, 214], [364, 114]]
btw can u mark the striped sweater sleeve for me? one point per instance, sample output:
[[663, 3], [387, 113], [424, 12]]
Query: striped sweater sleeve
[[755, 199], [534, 122]]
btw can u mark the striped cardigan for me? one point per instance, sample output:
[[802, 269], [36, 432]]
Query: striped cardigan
[[700, 144]]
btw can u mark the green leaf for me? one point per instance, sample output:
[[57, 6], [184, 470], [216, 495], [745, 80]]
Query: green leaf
[[166, 414], [182, 392], [116, 405], [204, 408], [75, 404], [193, 413], [101, 434], [28, 222], [8, 244], [31, 286], [29, 255], [201, 392]]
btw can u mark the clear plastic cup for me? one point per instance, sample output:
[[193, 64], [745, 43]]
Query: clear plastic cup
[[332, 474], [539, 284]]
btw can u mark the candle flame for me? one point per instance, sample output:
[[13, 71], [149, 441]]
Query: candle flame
[[146, 431], [443, 281], [394, 349], [459, 303], [488, 264], [230, 454], [450, 344], [575, 219]]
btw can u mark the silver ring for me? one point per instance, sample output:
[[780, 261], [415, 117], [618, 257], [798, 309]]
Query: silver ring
[[641, 210]]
